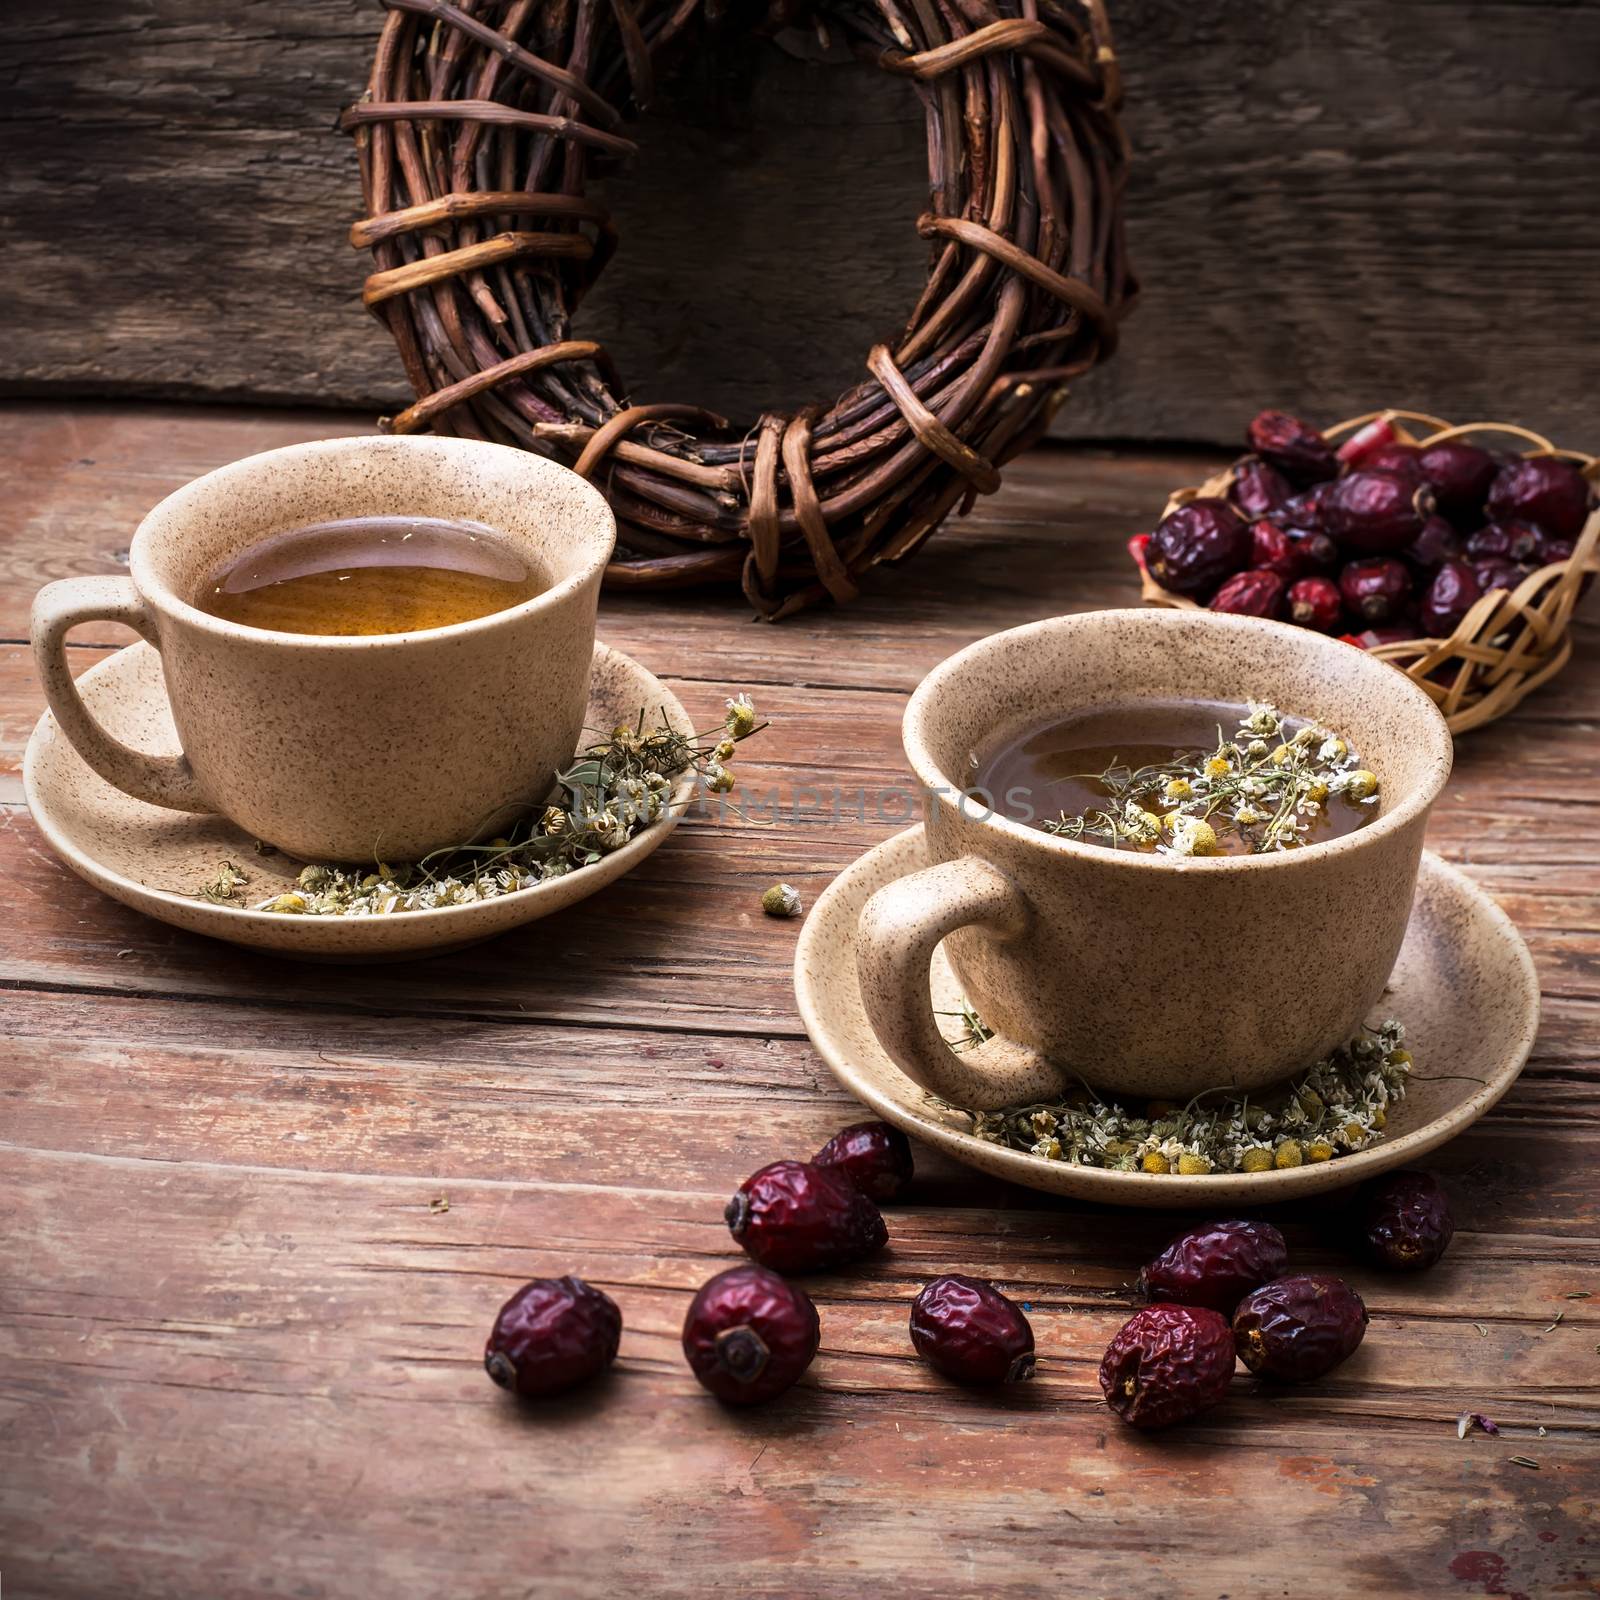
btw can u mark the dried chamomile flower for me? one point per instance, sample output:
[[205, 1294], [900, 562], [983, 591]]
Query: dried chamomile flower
[[1338, 1106], [224, 884], [781, 900], [1193, 836], [614, 788], [1262, 789]]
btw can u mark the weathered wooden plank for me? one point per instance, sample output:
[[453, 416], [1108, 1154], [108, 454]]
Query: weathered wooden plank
[[257, 1086], [1308, 206], [274, 1340], [1052, 540], [694, 930]]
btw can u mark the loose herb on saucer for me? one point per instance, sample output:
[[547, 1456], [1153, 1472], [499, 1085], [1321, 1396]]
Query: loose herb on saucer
[[1338, 1106], [1264, 787], [616, 787]]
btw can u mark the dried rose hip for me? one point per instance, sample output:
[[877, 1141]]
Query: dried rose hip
[[1436, 544], [1298, 1329], [1375, 513], [794, 1216], [1496, 572], [1197, 546], [1304, 510], [1315, 603], [1257, 593], [1552, 493], [1272, 549], [749, 1335], [1167, 1364], [1317, 552], [1515, 541], [1374, 436], [1550, 550], [551, 1334], [1258, 489], [873, 1156], [971, 1332], [1460, 475], [1406, 1221], [1403, 460], [1452, 594], [1294, 447], [1376, 589], [1215, 1264]]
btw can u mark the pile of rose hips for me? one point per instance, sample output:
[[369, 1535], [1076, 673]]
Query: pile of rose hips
[[750, 1333], [1218, 1294], [1378, 540]]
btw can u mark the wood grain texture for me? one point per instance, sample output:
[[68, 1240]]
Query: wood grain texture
[[239, 1345], [1370, 204]]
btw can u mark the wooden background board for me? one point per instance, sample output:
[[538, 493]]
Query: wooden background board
[[240, 1348], [1364, 203]]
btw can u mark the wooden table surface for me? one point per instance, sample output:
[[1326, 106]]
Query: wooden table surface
[[240, 1335]]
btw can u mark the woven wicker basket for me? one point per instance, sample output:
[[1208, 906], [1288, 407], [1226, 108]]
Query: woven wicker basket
[[1510, 642]]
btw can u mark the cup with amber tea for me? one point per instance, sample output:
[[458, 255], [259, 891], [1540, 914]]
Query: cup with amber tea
[[373, 647], [1171, 852]]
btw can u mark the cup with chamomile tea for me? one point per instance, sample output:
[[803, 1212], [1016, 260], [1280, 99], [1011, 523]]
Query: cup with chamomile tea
[[371, 646], [1171, 851]]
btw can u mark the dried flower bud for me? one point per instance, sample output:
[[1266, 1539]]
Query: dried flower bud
[[781, 900], [741, 717], [554, 822]]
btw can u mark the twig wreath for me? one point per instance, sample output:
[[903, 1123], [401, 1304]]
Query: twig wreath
[[477, 135]]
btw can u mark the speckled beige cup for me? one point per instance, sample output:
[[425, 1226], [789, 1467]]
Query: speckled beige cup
[[1147, 975], [349, 749]]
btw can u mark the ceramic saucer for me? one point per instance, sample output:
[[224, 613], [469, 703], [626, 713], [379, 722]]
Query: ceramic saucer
[[152, 859], [1464, 987]]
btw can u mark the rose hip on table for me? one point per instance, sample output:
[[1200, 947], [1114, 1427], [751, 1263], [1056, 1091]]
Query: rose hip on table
[[551, 1334], [1406, 1223], [1297, 1329], [873, 1156], [794, 1216], [750, 1334], [1215, 1264], [966, 1329], [1168, 1363]]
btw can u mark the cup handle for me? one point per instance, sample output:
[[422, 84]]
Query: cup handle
[[161, 780], [900, 927]]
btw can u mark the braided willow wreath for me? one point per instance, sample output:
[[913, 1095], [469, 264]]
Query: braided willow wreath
[[476, 137]]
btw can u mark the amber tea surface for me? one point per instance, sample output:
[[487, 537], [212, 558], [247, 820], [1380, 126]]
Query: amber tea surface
[[369, 575], [1191, 777]]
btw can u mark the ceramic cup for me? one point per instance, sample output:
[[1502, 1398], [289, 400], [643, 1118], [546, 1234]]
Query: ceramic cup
[[1147, 975], [349, 749]]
